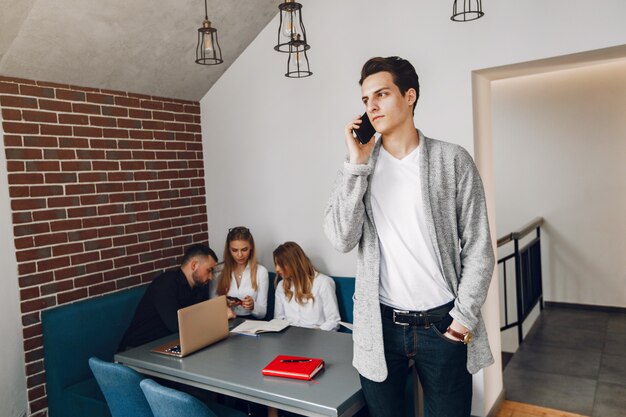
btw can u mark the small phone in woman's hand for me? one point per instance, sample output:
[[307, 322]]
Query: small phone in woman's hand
[[233, 299], [366, 131]]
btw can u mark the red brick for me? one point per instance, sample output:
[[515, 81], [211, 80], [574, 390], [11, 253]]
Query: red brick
[[99, 266], [22, 178], [173, 107], [56, 287], [15, 166], [166, 155], [61, 225], [40, 141], [98, 244], [71, 272], [36, 392], [184, 118], [90, 154], [143, 267], [63, 202], [61, 177], [149, 104], [91, 132], [50, 239], [161, 115], [56, 130], [74, 119], [102, 121], [139, 114], [147, 216], [56, 214], [80, 189], [24, 242], [30, 344], [153, 144], [103, 143], [114, 111], [70, 296], [54, 105], [9, 88], [140, 134], [158, 185], [35, 380], [118, 155], [77, 166], [11, 114], [127, 102], [88, 280], [192, 109], [136, 227], [22, 102], [125, 240], [176, 146], [31, 90], [85, 108], [73, 143], [12, 141], [38, 166], [17, 127], [130, 124], [70, 95], [123, 218], [84, 258], [122, 198], [67, 249], [31, 229], [38, 304], [114, 252], [135, 186], [131, 144], [110, 209], [33, 254], [91, 176], [35, 279], [100, 98], [193, 128], [29, 293], [114, 187], [33, 355], [39, 116], [146, 196], [105, 165], [166, 136], [115, 133], [153, 125], [85, 89], [120, 176], [126, 261], [96, 222], [101, 288], [84, 234]]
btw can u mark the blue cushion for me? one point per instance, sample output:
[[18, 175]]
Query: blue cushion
[[72, 334], [86, 399]]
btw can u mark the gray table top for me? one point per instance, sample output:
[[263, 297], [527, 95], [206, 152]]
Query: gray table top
[[233, 367]]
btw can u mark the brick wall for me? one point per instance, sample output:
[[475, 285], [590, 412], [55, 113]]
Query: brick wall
[[106, 189]]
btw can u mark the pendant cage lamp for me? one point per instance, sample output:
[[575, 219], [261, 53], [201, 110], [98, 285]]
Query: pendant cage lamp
[[298, 61], [468, 11], [291, 28], [208, 51]]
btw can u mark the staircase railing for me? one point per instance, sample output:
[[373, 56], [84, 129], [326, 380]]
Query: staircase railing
[[527, 267]]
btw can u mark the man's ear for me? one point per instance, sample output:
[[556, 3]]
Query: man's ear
[[411, 96]]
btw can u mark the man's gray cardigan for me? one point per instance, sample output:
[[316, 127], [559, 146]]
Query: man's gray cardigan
[[454, 203]]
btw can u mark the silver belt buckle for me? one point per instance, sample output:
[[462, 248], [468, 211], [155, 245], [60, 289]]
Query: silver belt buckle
[[401, 312]]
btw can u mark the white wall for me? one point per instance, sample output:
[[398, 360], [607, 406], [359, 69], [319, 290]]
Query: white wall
[[273, 145], [12, 379], [560, 153]]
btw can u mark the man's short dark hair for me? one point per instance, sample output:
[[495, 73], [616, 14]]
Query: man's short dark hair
[[198, 249], [402, 72]]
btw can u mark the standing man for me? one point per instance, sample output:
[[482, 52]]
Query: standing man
[[415, 207], [156, 315]]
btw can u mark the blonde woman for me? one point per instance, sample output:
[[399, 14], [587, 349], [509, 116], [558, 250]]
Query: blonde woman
[[244, 282], [305, 297]]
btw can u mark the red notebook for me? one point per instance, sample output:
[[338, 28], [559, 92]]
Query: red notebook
[[297, 367]]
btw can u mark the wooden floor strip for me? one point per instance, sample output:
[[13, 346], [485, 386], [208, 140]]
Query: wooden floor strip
[[515, 409]]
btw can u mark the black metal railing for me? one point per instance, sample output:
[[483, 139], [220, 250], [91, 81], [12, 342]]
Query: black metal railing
[[527, 268]]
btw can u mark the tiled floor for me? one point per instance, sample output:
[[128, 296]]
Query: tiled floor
[[572, 360]]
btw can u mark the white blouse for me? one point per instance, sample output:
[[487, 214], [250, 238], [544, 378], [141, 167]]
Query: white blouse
[[245, 288], [321, 313]]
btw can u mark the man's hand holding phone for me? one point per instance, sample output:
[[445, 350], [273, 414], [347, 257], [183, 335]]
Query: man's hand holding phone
[[359, 152]]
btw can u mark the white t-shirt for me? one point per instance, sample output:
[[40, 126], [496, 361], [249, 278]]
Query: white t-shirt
[[320, 313], [410, 275], [245, 288]]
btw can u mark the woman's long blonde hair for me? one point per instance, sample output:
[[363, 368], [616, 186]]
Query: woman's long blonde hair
[[299, 270], [236, 233]]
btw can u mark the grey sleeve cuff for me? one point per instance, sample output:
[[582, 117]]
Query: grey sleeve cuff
[[357, 169]]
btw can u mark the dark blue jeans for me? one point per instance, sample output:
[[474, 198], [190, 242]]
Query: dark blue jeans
[[440, 364]]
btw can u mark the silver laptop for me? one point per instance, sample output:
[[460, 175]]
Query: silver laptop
[[199, 325]]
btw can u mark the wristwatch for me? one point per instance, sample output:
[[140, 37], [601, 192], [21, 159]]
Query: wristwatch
[[461, 337]]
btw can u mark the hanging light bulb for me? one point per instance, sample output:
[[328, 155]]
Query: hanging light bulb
[[297, 63], [295, 60], [289, 27], [208, 43]]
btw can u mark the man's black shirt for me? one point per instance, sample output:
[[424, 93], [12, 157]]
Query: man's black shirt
[[156, 315]]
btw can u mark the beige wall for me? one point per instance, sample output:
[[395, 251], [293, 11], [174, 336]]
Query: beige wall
[[560, 152]]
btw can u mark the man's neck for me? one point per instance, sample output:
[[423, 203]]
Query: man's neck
[[188, 275], [401, 141]]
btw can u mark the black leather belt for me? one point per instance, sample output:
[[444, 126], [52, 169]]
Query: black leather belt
[[416, 318]]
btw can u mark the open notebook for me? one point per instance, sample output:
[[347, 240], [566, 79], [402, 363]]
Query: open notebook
[[253, 327]]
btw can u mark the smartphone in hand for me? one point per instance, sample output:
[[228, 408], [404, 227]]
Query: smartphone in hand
[[365, 133], [234, 299]]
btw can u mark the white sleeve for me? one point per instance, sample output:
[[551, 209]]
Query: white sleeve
[[262, 285], [328, 298], [279, 308]]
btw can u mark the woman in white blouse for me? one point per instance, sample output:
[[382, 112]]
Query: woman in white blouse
[[242, 279], [305, 297]]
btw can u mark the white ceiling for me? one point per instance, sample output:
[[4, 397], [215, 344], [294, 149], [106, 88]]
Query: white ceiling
[[139, 46]]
